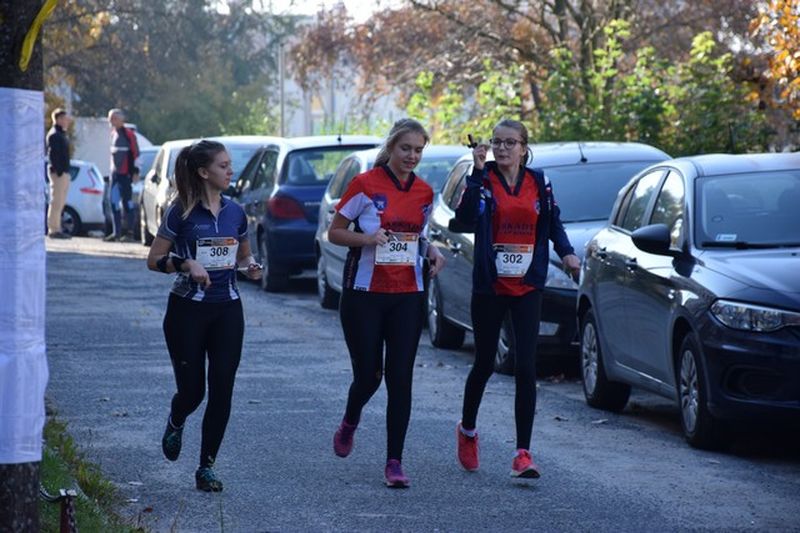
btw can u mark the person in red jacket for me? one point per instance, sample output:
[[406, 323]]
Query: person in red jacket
[[383, 301], [514, 214], [124, 151]]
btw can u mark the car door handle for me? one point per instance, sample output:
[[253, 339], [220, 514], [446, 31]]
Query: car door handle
[[631, 264], [455, 247], [601, 253]]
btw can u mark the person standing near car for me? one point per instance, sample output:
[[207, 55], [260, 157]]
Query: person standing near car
[[124, 151], [383, 292], [58, 171], [514, 214], [203, 238]]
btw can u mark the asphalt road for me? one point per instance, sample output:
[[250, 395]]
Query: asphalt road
[[111, 381]]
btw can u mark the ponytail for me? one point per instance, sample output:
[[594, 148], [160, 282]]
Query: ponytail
[[187, 180]]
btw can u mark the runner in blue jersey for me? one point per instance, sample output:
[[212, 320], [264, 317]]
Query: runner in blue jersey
[[203, 238]]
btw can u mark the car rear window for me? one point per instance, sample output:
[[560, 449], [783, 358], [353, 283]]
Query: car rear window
[[588, 191], [315, 166]]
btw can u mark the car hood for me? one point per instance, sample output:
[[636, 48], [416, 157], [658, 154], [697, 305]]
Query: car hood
[[579, 234], [762, 269]]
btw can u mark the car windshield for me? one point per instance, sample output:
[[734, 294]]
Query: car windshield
[[315, 166], [758, 210], [434, 170], [240, 155], [145, 161], [587, 192]]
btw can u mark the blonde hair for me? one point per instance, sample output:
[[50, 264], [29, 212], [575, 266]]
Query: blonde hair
[[400, 128], [187, 180]]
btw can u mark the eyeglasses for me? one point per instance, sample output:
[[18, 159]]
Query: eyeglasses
[[508, 144]]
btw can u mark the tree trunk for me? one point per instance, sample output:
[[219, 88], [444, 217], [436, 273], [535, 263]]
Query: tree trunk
[[22, 315]]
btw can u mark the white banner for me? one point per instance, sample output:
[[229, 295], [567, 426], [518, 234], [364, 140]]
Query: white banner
[[23, 360]]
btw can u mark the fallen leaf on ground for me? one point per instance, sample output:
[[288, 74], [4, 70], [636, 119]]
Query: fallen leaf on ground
[[600, 421]]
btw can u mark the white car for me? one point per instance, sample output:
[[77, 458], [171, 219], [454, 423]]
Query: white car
[[83, 210]]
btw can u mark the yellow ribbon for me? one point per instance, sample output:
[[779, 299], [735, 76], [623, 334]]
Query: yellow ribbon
[[33, 33]]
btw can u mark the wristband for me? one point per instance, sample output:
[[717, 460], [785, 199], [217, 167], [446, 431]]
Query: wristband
[[177, 262], [161, 264]]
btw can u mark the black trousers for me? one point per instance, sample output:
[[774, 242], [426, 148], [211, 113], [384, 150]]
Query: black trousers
[[194, 330], [370, 321], [488, 312]]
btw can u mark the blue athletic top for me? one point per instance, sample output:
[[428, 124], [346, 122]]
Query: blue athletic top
[[218, 236]]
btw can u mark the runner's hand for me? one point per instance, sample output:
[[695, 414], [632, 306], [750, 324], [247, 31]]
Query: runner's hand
[[479, 155], [254, 271], [437, 260], [572, 264], [379, 238], [199, 274]]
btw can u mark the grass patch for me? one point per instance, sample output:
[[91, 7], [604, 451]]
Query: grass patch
[[63, 466]]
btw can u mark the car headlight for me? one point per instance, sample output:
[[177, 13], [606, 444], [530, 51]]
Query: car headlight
[[747, 317], [558, 279]]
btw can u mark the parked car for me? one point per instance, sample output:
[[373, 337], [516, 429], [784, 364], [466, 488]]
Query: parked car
[[437, 160], [691, 291], [159, 183], [586, 178], [83, 210], [144, 163], [280, 190]]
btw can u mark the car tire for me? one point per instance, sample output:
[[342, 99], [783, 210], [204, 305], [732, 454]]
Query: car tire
[[700, 428], [443, 334], [272, 278], [146, 236], [506, 355], [71, 221], [328, 298], [600, 392]]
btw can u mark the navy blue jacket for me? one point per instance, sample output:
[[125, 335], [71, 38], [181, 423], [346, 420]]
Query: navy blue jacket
[[475, 212], [58, 149]]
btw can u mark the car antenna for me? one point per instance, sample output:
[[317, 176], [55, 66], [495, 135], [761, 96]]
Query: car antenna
[[583, 157]]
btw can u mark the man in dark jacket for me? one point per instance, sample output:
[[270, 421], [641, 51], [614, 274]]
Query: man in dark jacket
[[58, 172], [124, 151]]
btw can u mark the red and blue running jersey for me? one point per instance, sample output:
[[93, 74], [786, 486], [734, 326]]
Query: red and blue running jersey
[[377, 199], [514, 219]]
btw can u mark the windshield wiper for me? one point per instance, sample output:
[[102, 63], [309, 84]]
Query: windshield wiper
[[744, 245]]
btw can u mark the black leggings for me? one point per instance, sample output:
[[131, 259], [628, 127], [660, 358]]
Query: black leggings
[[193, 329], [488, 312], [370, 320]]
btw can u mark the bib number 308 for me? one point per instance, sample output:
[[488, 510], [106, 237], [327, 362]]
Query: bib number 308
[[217, 253]]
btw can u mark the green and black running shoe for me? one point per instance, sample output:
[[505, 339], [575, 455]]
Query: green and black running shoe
[[171, 441], [206, 480]]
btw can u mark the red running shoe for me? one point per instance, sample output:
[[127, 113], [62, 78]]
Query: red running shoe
[[395, 478], [343, 439], [467, 450], [523, 466]]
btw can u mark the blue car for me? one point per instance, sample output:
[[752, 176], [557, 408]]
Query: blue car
[[691, 291], [280, 190]]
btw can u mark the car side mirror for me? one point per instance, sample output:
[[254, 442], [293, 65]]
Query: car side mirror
[[654, 239], [155, 179], [456, 226]]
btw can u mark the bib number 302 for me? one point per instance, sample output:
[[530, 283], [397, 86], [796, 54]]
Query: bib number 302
[[217, 253], [513, 260]]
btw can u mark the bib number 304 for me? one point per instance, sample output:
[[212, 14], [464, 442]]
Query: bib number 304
[[513, 260], [217, 253], [402, 249]]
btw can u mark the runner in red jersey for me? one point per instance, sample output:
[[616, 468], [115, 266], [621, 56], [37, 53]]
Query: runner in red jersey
[[514, 215], [383, 302]]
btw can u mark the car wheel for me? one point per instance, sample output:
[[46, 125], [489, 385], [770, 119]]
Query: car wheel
[[70, 221], [700, 428], [600, 392], [328, 298], [443, 334], [506, 349], [272, 279], [146, 236]]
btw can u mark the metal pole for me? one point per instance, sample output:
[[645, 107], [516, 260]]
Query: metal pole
[[282, 75]]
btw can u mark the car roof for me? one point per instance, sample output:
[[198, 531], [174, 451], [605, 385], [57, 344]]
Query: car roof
[[578, 152], [430, 151], [718, 164], [312, 141]]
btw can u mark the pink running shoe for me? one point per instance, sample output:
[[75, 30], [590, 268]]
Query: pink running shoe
[[343, 439], [395, 478], [467, 450], [523, 466]]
